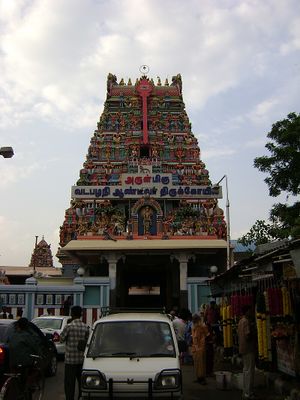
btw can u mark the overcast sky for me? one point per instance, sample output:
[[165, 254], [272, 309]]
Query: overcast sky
[[240, 67]]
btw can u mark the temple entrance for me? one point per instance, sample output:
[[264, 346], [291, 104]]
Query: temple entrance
[[147, 282]]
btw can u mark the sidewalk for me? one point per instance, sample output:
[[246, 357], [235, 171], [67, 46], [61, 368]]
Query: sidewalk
[[194, 391], [214, 390], [268, 384]]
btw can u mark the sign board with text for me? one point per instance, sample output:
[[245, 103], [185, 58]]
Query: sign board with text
[[157, 186]]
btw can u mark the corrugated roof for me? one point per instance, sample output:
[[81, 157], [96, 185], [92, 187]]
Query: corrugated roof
[[240, 248], [271, 246]]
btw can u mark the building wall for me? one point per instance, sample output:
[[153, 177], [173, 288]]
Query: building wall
[[90, 293]]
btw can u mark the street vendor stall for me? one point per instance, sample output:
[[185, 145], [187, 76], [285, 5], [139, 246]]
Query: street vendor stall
[[268, 281]]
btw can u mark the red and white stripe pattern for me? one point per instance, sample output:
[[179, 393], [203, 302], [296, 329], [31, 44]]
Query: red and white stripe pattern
[[89, 315]]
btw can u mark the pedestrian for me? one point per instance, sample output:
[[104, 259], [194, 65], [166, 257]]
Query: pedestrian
[[209, 349], [23, 342], [188, 359], [212, 318], [74, 334], [199, 334], [3, 314], [67, 305], [19, 313], [172, 315], [179, 324], [247, 348], [49, 312]]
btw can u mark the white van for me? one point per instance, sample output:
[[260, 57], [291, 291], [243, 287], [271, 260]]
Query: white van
[[133, 355]]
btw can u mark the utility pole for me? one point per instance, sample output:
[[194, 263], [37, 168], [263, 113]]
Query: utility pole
[[228, 261], [34, 255]]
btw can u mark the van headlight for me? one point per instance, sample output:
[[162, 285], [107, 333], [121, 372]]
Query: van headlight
[[93, 380], [168, 379]]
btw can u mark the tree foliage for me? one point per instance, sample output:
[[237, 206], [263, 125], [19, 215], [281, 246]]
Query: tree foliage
[[261, 232], [283, 168], [283, 165]]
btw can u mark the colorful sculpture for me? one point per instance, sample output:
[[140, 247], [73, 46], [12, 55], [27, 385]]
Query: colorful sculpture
[[144, 137]]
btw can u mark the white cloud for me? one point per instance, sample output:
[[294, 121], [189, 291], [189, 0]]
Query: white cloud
[[294, 43], [262, 110], [217, 153], [256, 143], [49, 59]]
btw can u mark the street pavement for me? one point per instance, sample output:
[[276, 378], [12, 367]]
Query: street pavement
[[192, 390]]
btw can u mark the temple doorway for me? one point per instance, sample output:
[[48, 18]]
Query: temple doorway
[[147, 282]]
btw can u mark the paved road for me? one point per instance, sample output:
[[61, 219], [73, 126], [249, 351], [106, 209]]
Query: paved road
[[191, 390], [54, 389], [195, 391]]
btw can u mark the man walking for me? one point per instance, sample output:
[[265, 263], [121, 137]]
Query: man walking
[[73, 335], [246, 335]]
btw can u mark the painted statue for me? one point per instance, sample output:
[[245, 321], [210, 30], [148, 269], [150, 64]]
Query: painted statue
[[147, 219]]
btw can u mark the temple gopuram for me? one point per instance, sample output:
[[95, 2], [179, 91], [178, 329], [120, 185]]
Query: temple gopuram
[[41, 256], [144, 213]]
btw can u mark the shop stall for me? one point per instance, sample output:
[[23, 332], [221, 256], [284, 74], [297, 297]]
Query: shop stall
[[268, 281]]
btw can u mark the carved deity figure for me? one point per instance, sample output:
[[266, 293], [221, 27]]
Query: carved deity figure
[[117, 138], [147, 219], [176, 81], [180, 152], [111, 80], [134, 152], [154, 152], [107, 152]]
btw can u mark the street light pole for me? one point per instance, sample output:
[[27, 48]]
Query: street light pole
[[228, 261]]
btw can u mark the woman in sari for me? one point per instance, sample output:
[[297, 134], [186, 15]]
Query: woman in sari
[[199, 334]]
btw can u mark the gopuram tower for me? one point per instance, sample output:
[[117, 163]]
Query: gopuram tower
[[144, 215]]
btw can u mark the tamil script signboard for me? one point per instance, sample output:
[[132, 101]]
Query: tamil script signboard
[[156, 186]]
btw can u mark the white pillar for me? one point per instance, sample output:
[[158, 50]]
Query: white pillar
[[183, 262], [112, 268]]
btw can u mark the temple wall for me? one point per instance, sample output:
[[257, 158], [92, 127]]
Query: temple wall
[[90, 293]]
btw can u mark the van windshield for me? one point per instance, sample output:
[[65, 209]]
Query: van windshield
[[132, 339]]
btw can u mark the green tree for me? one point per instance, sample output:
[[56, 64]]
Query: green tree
[[283, 165], [283, 169], [261, 232]]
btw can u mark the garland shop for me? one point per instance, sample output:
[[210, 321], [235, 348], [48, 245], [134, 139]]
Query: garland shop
[[269, 281]]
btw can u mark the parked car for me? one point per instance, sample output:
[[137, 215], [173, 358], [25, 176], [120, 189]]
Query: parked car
[[52, 326], [48, 350], [133, 355]]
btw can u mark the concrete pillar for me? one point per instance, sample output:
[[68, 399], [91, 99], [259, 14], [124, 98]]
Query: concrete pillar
[[183, 263], [28, 311], [112, 267], [112, 272]]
